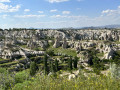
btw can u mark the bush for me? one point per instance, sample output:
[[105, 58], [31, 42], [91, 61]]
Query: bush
[[75, 62], [20, 77], [50, 52], [3, 70], [114, 71], [45, 64], [33, 68]]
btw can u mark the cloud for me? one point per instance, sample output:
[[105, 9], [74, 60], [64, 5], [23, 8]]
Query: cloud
[[58, 16], [40, 12], [80, 0], [54, 10], [8, 8], [110, 12], [29, 16], [67, 17], [5, 1], [66, 12], [4, 16], [119, 7], [26, 10], [57, 1], [107, 11]]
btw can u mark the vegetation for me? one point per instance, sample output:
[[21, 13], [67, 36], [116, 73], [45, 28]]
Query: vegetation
[[45, 64], [75, 62], [64, 51], [33, 68], [41, 82], [56, 65], [70, 64]]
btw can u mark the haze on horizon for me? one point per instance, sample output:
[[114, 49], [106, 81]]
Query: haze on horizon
[[58, 13]]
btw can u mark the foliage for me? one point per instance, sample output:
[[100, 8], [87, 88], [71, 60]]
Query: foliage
[[91, 82], [33, 68], [45, 64], [50, 52], [52, 67], [3, 70], [6, 79], [114, 71], [64, 51], [75, 62], [70, 64], [20, 77], [56, 65]]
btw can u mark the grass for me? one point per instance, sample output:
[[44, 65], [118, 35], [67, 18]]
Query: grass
[[64, 51], [38, 49], [117, 42], [24, 46], [41, 82], [8, 64], [100, 54], [1, 59], [21, 58]]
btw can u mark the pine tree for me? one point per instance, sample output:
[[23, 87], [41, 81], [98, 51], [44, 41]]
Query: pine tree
[[52, 67], [56, 65], [45, 64], [75, 62], [70, 63], [33, 68]]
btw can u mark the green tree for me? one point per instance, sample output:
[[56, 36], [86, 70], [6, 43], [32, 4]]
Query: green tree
[[70, 63], [45, 64], [75, 61], [56, 65], [33, 68], [52, 67], [50, 52]]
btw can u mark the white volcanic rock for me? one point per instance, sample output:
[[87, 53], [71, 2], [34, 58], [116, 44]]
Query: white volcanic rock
[[109, 53], [57, 43], [64, 45]]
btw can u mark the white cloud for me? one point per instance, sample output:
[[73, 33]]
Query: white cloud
[[29, 16], [66, 12], [26, 10], [119, 7], [4, 16], [80, 0], [5, 1], [54, 10], [58, 16], [57, 1], [8, 8], [107, 11], [40, 12]]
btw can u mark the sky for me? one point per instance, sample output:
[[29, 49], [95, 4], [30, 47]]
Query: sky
[[58, 13]]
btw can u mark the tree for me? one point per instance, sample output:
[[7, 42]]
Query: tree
[[70, 63], [50, 52], [75, 62], [45, 64], [56, 65], [33, 68], [52, 67]]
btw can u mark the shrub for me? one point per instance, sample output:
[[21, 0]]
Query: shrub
[[20, 77], [33, 68], [75, 62], [114, 71], [56, 65], [70, 64], [45, 64]]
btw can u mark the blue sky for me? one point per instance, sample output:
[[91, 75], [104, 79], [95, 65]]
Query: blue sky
[[58, 13]]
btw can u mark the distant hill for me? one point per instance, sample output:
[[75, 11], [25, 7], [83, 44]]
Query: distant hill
[[101, 27]]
